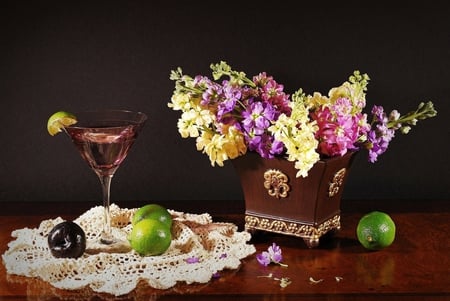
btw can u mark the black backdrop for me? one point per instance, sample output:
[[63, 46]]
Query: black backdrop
[[72, 55]]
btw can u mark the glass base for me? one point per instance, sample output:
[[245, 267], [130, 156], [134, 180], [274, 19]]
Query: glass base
[[107, 239]]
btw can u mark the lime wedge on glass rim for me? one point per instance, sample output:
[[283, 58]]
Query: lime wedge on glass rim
[[59, 120]]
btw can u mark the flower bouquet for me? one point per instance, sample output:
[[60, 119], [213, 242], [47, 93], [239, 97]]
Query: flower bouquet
[[238, 114], [292, 153]]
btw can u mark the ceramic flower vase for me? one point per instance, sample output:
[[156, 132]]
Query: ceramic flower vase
[[277, 201]]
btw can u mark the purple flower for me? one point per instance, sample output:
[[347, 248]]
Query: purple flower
[[379, 135], [268, 147], [273, 254], [231, 95], [264, 258], [212, 94], [257, 118], [192, 259]]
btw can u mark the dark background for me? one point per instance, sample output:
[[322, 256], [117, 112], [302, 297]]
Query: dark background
[[70, 55]]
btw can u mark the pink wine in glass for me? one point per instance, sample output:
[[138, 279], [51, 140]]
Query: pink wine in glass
[[103, 148], [104, 139]]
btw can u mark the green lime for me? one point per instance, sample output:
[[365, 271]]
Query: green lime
[[150, 237], [59, 120], [376, 230], [153, 211]]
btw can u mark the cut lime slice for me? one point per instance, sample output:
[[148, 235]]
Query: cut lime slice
[[59, 120]]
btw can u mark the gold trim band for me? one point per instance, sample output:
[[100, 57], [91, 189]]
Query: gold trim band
[[309, 233]]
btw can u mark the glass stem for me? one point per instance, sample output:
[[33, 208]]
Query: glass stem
[[106, 236]]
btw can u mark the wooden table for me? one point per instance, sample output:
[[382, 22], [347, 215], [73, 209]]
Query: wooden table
[[415, 267]]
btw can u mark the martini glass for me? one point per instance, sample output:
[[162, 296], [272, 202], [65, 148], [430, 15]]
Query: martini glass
[[104, 138]]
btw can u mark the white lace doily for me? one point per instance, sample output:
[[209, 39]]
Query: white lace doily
[[217, 246]]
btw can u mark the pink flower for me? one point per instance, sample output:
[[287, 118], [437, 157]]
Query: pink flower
[[338, 129]]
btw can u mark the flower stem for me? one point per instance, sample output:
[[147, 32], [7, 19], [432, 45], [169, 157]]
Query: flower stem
[[424, 111]]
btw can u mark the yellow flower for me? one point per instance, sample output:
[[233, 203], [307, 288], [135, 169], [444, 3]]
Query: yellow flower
[[317, 100], [343, 91], [186, 125], [180, 102], [212, 145], [234, 143], [297, 134], [305, 162], [354, 92], [203, 140], [214, 149], [220, 148]]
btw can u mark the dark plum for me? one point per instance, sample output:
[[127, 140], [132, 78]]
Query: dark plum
[[67, 240]]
